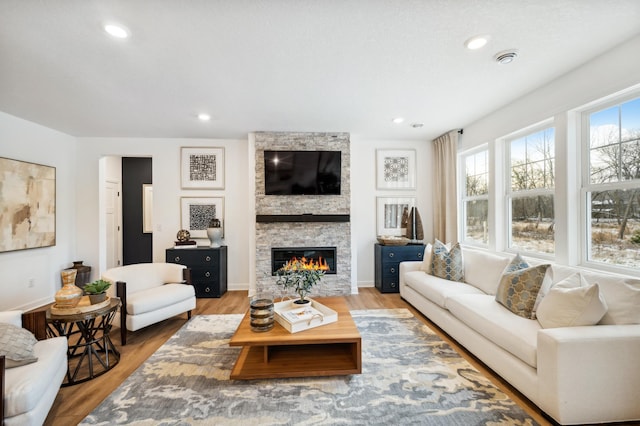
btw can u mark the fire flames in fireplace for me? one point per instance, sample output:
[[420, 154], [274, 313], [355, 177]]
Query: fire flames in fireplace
[[304, 263]]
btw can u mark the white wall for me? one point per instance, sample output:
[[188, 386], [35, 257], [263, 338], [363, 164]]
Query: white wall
[[26, 141], [364, 193], [165, 154]]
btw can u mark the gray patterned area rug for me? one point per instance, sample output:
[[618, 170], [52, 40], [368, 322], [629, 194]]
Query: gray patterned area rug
[[409, 376]]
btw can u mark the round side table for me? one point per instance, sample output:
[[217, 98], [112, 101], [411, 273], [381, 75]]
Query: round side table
[[91, 352]]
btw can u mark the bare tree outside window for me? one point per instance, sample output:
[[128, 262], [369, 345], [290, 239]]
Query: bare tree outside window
[[531, 195], [613, 190]]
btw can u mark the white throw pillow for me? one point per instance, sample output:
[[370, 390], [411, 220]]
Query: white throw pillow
[[571, 302]]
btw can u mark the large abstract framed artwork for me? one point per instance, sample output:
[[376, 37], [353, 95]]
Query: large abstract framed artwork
[[196, 212], [27, 205], [392, 214], [396, 168], [202, 168]]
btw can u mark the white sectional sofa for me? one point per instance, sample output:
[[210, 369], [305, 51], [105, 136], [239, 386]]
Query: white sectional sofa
[[576, 375]]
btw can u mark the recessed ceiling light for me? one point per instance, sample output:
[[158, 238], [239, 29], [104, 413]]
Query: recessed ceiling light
[[117, 31], [204, 117], [398, 120], [476, 42]]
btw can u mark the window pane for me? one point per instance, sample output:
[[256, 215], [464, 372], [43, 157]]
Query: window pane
[[630, 120], [476, 173], [532, 161], [605, 164], [604, 127], [630, 160], [615, 227], [476, 221], [532, 224]]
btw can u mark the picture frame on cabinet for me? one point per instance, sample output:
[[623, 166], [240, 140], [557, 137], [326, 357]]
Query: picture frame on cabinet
[[28, 204], [202, 167], [196, 212], [396, 168], [392, 214]]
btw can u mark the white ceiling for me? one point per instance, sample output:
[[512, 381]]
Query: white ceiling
[[296, 65]]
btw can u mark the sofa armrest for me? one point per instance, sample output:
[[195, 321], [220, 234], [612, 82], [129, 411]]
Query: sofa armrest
[[589, 373], [186, 275], [406, 267], [36, 322], [11, 317]]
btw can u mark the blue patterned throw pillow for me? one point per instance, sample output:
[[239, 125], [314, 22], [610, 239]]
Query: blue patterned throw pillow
[[518, 290], [447, 264], [516, 264]]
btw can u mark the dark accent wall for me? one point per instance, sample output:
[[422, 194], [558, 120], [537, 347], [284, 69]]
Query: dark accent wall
[[137, 247]]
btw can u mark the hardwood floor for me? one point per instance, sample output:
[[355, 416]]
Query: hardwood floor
[[73, 403]]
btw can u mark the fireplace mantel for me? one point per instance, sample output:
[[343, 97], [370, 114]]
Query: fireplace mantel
[[279, 218]]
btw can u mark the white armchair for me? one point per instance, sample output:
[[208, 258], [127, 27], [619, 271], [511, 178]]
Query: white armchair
[[27, 392], [150, 292]]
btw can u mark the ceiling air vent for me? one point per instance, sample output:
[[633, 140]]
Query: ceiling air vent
[[506, 56]]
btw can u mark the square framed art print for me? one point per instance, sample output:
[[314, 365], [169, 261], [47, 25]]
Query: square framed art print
[[392, 214], [196, 212], [396, 168], [202, 168]]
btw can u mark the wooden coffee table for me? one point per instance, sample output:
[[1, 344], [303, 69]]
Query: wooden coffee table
[[329, 350]]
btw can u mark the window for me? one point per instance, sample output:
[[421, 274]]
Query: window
[[475, 197], [612, 184], [530, 193]]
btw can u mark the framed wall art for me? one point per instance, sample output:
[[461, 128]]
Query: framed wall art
[[202, 168], [396, 168], [27, 205], [147, 208], [196, 212], [392, 214]]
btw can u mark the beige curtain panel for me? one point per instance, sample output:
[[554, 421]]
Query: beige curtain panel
[[445, 198]]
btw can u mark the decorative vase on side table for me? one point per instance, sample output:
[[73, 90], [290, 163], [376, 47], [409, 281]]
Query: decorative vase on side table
[[69, 295], [214, 233]]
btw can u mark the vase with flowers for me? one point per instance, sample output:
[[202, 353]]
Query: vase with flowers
[[299, 276]]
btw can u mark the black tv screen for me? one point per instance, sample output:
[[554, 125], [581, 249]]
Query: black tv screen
[[302, 172]]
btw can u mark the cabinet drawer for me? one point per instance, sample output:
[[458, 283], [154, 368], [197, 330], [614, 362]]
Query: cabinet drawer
[[203, 274], [193, 257], [207, 289], [402, 253]]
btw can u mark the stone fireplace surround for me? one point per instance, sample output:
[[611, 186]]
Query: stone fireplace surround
[[303, 220]]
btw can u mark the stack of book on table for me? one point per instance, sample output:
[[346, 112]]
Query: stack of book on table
[[295, 317], [185, 244]]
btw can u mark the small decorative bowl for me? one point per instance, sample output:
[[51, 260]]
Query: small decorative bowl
[[387, 240]]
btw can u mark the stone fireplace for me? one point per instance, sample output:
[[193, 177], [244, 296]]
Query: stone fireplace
[[301, 222]]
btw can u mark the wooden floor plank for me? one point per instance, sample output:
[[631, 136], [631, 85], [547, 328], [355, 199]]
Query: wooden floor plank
[[73, 403]]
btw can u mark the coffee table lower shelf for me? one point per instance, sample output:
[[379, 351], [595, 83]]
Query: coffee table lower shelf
[[280, 361]]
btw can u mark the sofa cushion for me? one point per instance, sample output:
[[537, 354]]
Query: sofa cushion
[[518, 290], [571, 302], [512, 333], [158, 297], [622, 295], [437, 290], [483, 269], [16, 344], [446, 263]]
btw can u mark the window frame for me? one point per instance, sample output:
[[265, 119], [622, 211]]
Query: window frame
[[510, 195], [464, 198], [586, 186]]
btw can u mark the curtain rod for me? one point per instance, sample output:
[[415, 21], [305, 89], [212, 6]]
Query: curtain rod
[[460, 131]]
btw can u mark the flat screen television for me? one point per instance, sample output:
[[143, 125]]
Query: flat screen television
[[302, 172]]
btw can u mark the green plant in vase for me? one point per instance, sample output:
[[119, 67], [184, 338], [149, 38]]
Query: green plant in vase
[[97, 291], [299, 276]]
